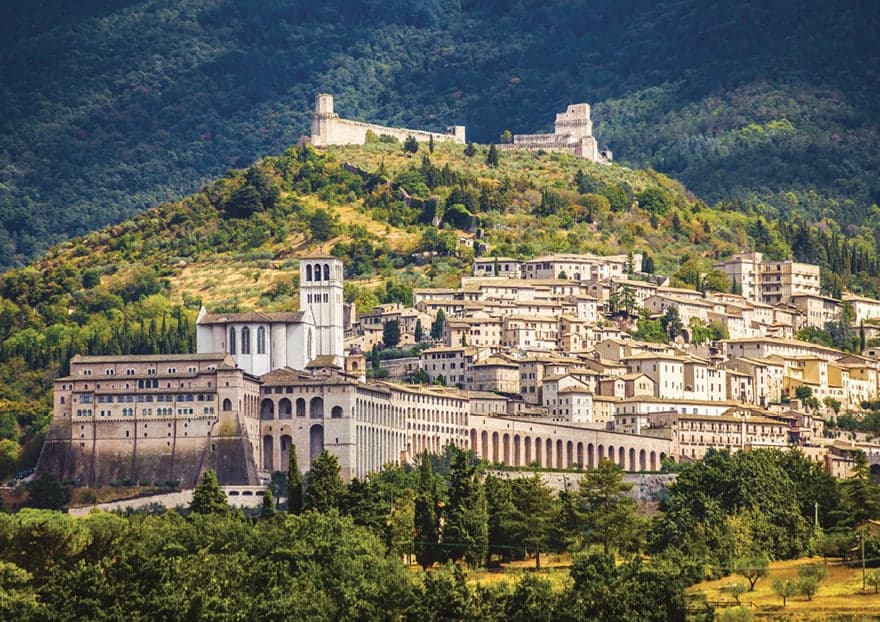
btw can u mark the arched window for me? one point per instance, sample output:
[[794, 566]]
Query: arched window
[[227, 404], [261, 340], [308, 272], [326, 271], [284, 408], [245, 340], [317, 272], [316, 408], [336, 412], [231, 340]]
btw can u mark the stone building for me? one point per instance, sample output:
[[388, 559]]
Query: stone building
[[328, 128], [572, 133]]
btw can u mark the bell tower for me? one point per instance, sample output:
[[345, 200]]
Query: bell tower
[[320, 291]]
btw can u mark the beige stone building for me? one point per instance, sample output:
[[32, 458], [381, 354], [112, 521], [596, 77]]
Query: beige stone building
[[573, 133], [771, 282]]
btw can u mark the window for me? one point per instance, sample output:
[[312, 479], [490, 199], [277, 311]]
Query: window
[[261, 340], [245, 340], [231, 340]]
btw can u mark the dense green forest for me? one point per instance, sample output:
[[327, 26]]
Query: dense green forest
[[114, 106], [332, 551]]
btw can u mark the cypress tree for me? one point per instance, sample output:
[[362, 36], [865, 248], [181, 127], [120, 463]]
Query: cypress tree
[[427, 532], [294, 484], [267, 510], [466, 531], [324, 488], [208, 498]]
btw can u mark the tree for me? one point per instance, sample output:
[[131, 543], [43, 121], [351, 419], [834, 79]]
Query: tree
[[243, 202], [294, 484], [531, 520], [470, 150], [410, 145], [48, 492], [268, 192], [427, 527], [809, 577], [401, 524], [752, 568], [322, 225], [873, 580], [622, 299], [465, 532], [499, 507], [492, 156], [785, 589], [506, 137], [736, 590], [431, 143], [267, 509], [438, 325], [654, 200], [391, 333], [419, 331], [607, 514], [208, 497], [323, 486], [671, 323]]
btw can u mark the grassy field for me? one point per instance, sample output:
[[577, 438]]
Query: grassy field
[[840, 595]]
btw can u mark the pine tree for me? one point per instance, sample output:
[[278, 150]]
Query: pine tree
[[324, 488], [427, 530], [419, 331], [466, 531], [267, 510], [492, 156], [294, 484], [208, 497], [437, 326]]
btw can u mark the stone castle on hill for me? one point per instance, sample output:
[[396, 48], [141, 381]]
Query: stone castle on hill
[[573, 133], [328, 128]]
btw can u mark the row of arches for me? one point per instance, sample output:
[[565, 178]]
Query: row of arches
[[284, 409], [524, 450], [276, 449], [314, 272]]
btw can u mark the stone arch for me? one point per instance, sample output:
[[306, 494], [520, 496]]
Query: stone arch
[[267, 453], [642, 460], [505, 444], [516, 450], [474, 442], [316, 442], [494, 446], [611, 455], [284, 410], [286, 444], [601, 454], [326, 272], [316, 408], [621, 457], [267, 409], [653, 460], [336, 412], [300, 407], [632, 460], [539, 451], [227, 404], [317, 272], [580, 455], [484, 447], [308, 272], [591, 458], [528, 450], [559, 457], [569, 455], [548, 446]]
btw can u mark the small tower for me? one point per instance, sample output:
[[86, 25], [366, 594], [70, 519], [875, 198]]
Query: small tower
[[320, 291], [323, 119]]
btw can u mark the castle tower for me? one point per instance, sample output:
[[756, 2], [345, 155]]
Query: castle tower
[[323, 118], [320, 291]]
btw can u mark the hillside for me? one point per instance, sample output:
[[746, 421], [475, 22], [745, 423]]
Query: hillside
[[113, 107], [136, 286]]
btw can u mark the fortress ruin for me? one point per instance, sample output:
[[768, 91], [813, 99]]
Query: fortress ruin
[[328, 128], [573, 133]]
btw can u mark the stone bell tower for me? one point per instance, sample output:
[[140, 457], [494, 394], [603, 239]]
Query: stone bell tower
[[320, 291]]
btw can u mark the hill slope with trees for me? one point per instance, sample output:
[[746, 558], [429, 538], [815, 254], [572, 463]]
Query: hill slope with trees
[[116, 106]]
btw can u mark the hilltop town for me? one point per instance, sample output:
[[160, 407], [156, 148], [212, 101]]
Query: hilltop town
[[529, 363]]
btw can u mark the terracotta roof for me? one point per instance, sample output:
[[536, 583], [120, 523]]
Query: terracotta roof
[[294, 317]]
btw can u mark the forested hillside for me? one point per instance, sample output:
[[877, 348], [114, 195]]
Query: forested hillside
[[112, 106]]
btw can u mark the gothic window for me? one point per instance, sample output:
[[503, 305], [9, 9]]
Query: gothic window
[[231, 340], [308, 272], [245, 340], [326, 272], [261, 340]]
